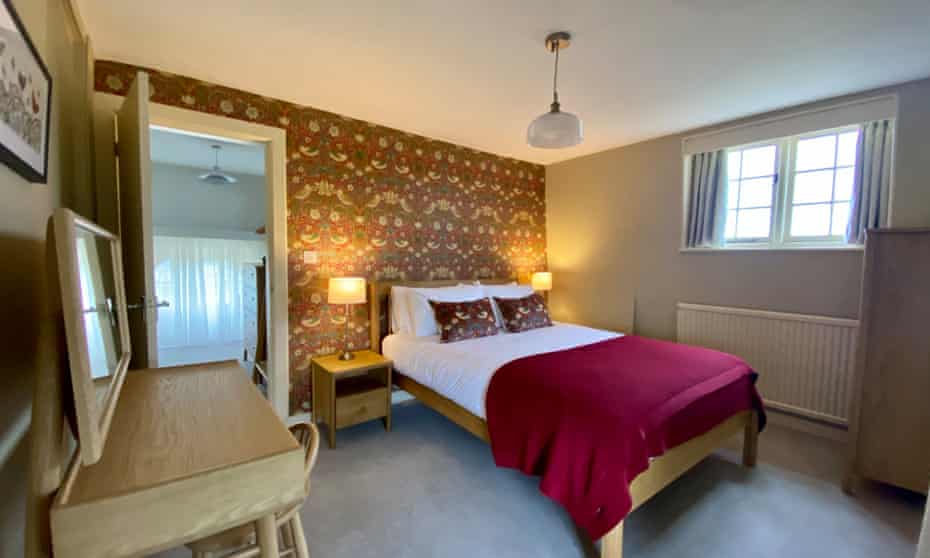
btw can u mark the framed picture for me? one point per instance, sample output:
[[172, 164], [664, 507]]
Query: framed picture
[[25, 100]]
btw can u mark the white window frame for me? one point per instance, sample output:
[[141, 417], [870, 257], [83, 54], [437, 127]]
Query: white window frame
[[760, 242], [803, 122], [787, 204], [783, 193]]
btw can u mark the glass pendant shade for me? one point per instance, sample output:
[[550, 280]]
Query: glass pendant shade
[[554, 130]]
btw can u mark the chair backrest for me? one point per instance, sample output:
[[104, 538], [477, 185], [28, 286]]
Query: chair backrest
[[309, 437]]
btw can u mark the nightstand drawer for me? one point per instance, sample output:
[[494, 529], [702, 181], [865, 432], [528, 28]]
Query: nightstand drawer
[[361, 407]]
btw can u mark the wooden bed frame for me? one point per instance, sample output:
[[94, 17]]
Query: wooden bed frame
[[661, 472]]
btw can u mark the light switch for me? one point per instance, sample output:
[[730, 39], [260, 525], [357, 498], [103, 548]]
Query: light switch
[[311, 257]]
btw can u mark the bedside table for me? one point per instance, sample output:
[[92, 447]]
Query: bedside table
[[350, 392]]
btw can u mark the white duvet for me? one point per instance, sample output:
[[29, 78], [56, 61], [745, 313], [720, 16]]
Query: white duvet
[[462, 371]]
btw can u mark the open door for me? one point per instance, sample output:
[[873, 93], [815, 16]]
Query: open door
[[135, 209]]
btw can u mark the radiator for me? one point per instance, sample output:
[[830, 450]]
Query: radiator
[[805, 363]]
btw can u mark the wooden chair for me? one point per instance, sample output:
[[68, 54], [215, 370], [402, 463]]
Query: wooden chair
[[242, 539]]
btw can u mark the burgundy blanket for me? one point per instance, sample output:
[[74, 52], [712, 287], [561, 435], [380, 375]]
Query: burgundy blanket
[[588, 419]]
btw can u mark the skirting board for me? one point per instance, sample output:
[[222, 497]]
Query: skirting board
[[803, 424]]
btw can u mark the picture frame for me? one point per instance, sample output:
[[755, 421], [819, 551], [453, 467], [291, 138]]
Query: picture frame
[[25, 100]]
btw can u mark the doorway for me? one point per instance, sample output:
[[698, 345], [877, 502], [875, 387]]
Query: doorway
[[209, 244], [125, 204]]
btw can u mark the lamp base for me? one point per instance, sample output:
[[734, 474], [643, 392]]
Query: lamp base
[[346, 355]]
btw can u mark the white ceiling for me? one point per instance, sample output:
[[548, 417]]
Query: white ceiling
[[186, 150], [476, 73]]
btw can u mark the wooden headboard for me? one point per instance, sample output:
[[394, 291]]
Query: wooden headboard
[[379, 293]]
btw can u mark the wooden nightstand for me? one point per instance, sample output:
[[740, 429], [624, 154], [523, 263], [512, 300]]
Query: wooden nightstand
[[349, 392]]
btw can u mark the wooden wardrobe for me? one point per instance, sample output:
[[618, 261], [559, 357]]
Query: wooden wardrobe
[[255, 350], [890, 410]]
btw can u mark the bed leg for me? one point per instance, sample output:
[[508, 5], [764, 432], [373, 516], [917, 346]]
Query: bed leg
[[612, 543], [751, 440]]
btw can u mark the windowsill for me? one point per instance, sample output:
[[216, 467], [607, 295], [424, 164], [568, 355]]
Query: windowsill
[[780, 249]]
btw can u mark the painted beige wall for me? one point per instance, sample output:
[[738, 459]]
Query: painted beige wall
[[614, 232], [29, 338]]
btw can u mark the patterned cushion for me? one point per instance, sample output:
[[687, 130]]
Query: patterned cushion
[[464, 320], [522, 314]]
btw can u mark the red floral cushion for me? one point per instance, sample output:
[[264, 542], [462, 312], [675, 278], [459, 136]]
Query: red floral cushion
[[522, 314], [464, 320]]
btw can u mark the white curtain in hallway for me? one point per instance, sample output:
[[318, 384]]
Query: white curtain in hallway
[[202, 279]]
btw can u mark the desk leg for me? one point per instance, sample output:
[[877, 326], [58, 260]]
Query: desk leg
[[267, 536]]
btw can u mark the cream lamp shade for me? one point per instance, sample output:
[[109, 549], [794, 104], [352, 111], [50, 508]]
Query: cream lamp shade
[[542, 281], [346, 290]]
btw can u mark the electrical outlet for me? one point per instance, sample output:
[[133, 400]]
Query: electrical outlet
[[311, 257]]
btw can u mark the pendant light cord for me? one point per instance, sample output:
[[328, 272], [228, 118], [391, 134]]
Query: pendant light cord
[[555, 79]]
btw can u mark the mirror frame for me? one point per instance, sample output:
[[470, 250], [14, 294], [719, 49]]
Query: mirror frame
[[93, 416]]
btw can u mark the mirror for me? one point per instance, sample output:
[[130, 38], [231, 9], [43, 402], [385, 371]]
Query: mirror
[[93, 303], [98, 306]]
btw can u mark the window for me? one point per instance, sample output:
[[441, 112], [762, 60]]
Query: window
[[821, 185], [791, 192], [753, 175]]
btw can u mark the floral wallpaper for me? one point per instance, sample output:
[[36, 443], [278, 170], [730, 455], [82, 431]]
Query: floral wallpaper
[[373, 202]]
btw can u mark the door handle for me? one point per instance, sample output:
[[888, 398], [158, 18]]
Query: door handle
[[142, 305], [105, 308]]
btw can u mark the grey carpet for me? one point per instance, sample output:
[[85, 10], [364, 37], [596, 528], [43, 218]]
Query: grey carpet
[[431, 489]]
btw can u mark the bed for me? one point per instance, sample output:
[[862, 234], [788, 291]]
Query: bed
[[434, 374]]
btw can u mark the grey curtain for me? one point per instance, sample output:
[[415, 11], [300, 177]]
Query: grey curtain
[[872, 184], [706, 198]]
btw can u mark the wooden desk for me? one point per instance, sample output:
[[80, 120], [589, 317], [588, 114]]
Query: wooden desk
[[192, 451]]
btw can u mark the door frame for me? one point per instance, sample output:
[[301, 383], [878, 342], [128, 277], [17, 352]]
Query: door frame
[[275, 142]]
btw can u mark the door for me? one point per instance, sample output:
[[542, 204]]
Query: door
[[135, 208]]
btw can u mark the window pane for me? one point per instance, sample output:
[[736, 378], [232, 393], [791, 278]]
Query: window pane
[[810, 220], [759, 161], [816, 153], [846, 151], [732, 193], [756, 193], [754, 223], [733, 164], [844, 183], [840, 219], [814, 186], [731, 224]]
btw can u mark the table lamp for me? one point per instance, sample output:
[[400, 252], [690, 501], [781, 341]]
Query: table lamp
[[542, 281], [346, 290]]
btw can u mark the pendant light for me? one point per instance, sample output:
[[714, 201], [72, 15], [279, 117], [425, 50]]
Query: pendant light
[[556, 129], [216, 176]]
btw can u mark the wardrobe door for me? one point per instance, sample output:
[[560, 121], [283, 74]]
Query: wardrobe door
[[894, 412]]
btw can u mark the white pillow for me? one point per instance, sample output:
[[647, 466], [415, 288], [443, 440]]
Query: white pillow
[[505, 291], [422, 320], [400, 313]]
